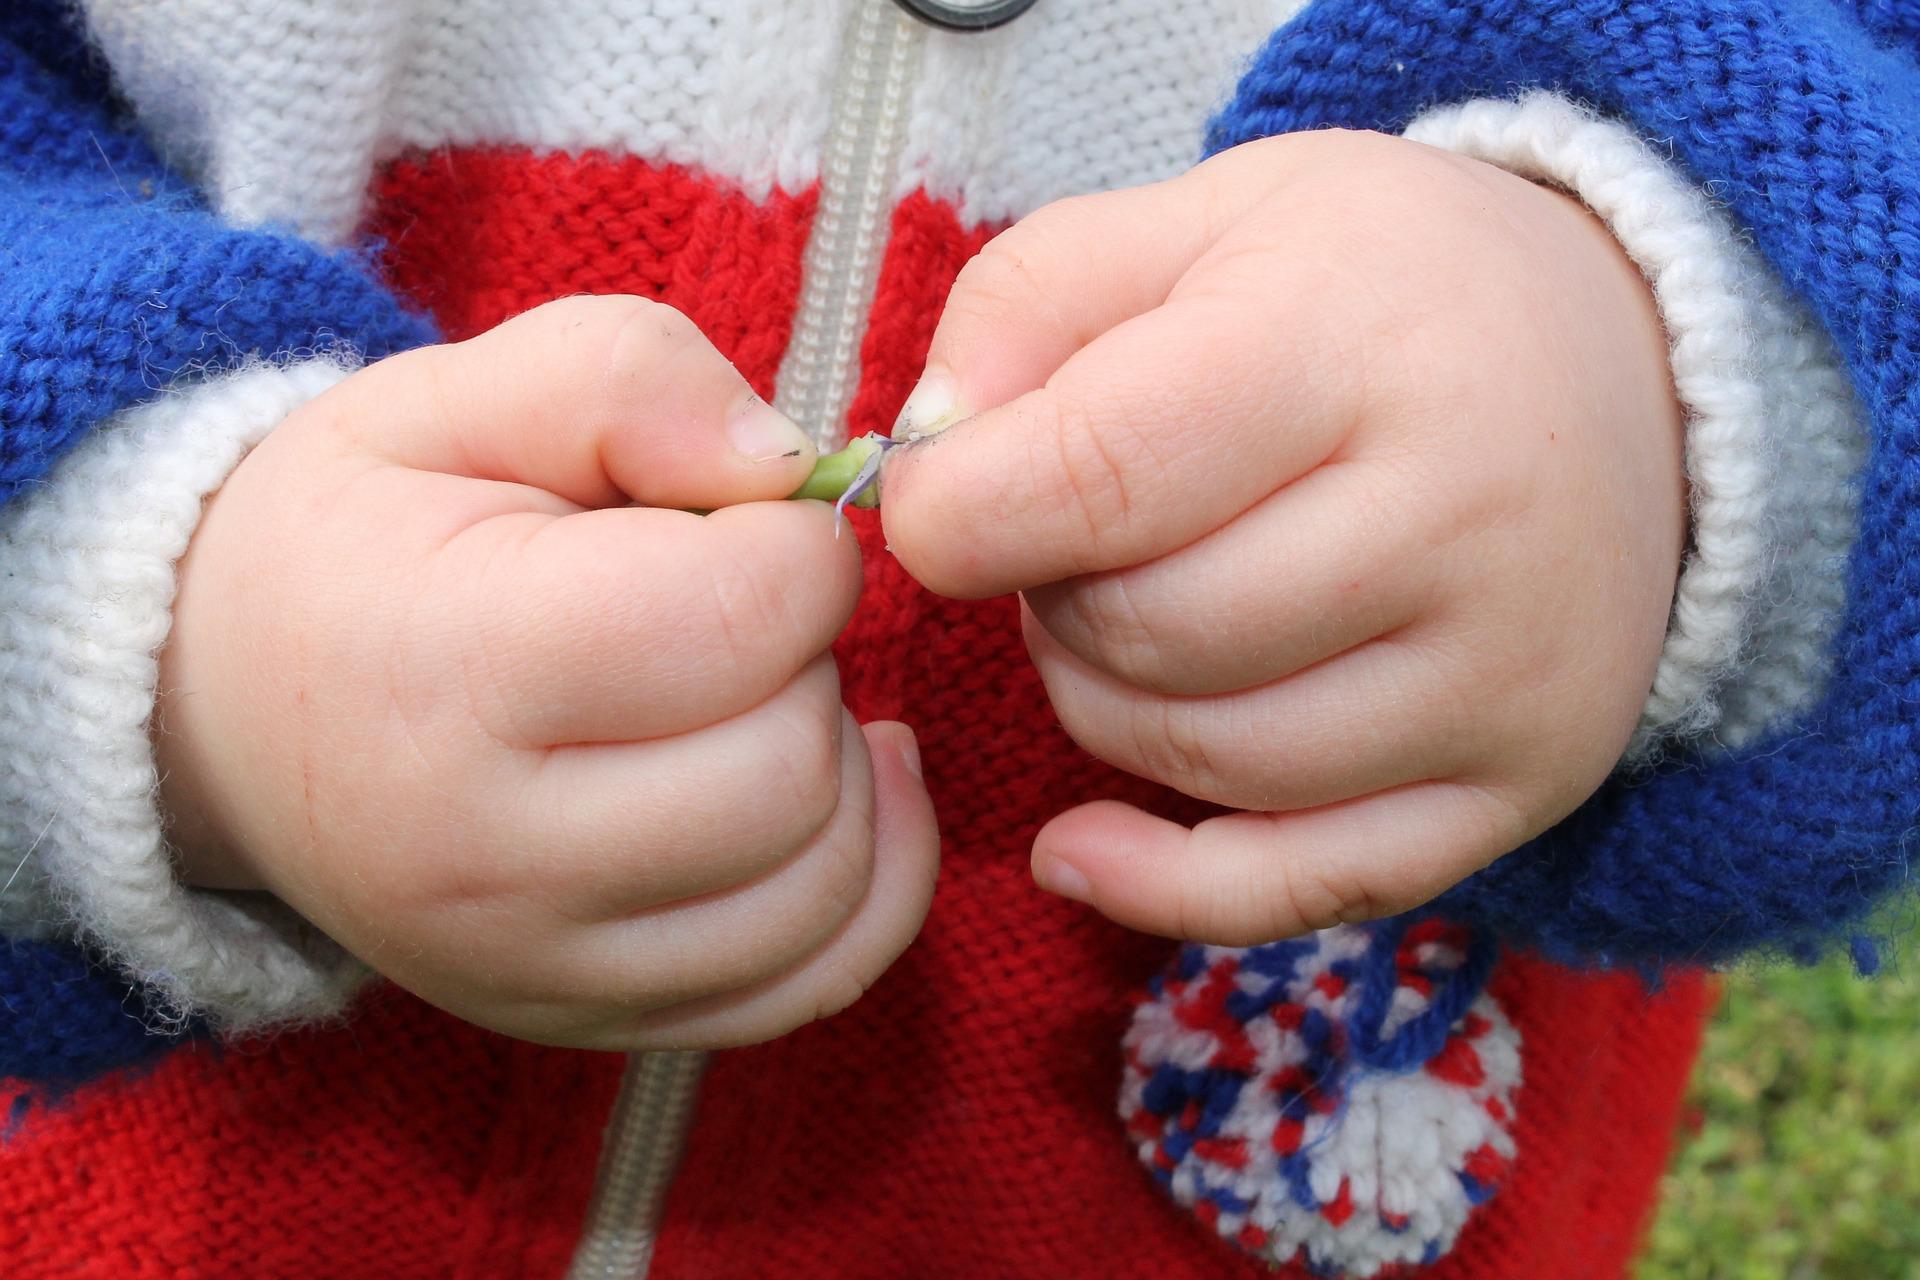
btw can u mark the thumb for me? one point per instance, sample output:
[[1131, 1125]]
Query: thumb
[[602, 400], [1046, 287], [906, 849], [1248, 878], [903, 809]]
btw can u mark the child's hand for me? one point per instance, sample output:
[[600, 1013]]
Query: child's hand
[[573, 769], [1343, 479]]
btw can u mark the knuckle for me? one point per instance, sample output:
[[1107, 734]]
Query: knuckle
[[847, 871], [491, 680], [1057, 231], [1215, 913], [1275, 900], [1500, 821], [747, 610], [1172, 740], [1321, 900], [1002, 273], [600, 316], [834, 989], [1016, 268], [623, 343], [638, 337], [803, 784], [1360, 156], [840, 987], [1119, 634], [1094, 462]]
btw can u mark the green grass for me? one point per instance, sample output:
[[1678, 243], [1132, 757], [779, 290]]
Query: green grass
[[1806, 1159]]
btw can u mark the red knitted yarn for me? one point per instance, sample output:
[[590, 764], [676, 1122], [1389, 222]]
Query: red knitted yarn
[[959, 1122], [477, 236], [405, 1146]]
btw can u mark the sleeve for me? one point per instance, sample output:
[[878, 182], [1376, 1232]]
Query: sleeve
[[144, 346], [1777, 816], [1774, 434]]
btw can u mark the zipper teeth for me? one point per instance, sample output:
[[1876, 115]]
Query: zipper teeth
[[841, 269], [644, 1137], [817, 380]]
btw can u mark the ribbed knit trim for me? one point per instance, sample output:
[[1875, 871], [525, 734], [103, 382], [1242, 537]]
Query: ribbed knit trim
[[1775, 439], [86, 592]]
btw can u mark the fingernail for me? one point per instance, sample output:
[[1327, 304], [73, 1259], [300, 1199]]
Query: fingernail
[[910, 754], [763, 433], [1064, 879], [932, 408]]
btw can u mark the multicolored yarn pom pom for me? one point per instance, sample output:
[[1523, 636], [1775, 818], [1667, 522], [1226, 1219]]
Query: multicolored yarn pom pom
[[1343, 1099]]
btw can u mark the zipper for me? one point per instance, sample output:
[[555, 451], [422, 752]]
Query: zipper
[[644, 1136], [841, 269], [817, 380]]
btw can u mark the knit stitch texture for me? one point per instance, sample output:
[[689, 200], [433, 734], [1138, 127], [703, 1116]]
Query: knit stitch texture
[[1810, 133], [1774, 437], [84, 606], [938, 1127], [118, 282]]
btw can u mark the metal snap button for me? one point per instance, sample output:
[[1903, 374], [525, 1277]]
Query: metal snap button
[[966, 15]]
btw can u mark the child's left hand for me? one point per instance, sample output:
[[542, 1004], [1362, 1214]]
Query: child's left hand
[[1343, 481]]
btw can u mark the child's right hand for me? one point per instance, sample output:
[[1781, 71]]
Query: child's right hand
[[572, 769]]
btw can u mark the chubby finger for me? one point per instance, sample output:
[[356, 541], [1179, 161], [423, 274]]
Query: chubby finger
[[1249, 878], [1379, 716], [738, 936], [1336, 558], [629, 623], [906, 841], [1050, 284], [1070, 271], [602, 831], [1155, 433], [601, 400]]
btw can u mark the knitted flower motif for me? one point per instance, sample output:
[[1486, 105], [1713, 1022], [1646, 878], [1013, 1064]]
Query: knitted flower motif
[[1343, 1099]]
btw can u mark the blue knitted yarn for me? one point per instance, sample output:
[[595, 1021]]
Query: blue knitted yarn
[[49, 32], [114, 281], [1417, 1041], [65, 1020], [1263, 1091], [1808, 125], [1893, 23]]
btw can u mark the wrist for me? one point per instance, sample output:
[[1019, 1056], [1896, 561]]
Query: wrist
[[1774, 436], [196, 810], [204, 857], [89, 597]]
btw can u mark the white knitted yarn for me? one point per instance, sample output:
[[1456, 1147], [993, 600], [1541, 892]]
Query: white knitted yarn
[[281, 109], [86, 592], [1775, 438], [272, 107], [1396, 1144], [1075, 96]]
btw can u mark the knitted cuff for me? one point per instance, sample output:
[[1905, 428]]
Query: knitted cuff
[[86, 593], [1775, 439]]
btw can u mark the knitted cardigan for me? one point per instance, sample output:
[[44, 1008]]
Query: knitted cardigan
[[1804, 117], [120, 282]]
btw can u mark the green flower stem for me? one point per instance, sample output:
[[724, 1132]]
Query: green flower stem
[[835, 473]]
